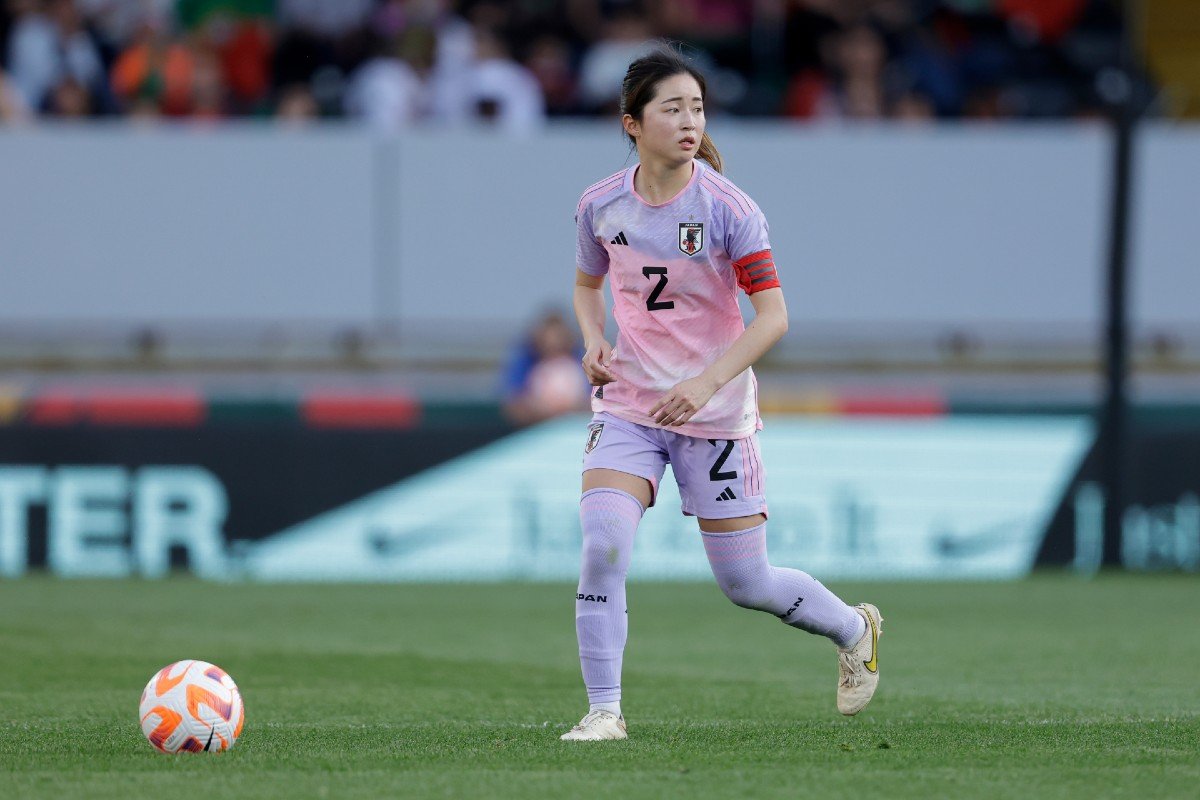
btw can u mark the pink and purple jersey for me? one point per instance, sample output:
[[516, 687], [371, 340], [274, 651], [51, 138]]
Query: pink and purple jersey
[[675, 270]]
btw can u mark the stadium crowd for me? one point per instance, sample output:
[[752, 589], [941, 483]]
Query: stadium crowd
[[513, 63]]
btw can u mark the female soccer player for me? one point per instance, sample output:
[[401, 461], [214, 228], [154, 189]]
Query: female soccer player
[[678, 240]]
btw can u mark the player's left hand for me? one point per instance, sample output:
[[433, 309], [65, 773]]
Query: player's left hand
[[683, 401]]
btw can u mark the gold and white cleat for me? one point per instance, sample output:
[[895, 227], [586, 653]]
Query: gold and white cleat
[[858, 665], [597, 726]]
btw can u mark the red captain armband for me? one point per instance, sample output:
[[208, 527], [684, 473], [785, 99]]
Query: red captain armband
[[756, 272]]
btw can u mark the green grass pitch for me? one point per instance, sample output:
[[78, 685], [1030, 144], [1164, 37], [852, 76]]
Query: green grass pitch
[[1050, 687]]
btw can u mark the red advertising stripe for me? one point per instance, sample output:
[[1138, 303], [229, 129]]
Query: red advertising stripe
[[351, 410], [173, 408], [892, 405], [54, 408]]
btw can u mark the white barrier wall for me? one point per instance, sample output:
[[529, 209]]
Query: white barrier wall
[[1166, 227], [943, 226], [128, 225]]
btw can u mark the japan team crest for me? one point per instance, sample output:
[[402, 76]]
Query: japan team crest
[[691, 237], [595, 431]]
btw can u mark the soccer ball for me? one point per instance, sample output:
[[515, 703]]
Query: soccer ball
[[191, 707]]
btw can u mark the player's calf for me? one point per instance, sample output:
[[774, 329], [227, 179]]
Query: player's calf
[[739, 563]]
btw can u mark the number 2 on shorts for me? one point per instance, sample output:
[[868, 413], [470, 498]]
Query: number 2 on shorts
[[714, 472]]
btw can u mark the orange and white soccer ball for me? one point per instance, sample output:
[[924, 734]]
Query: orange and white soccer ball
[[192, 707]]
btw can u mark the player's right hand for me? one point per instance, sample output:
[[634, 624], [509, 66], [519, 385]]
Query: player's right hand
[[596, 363]]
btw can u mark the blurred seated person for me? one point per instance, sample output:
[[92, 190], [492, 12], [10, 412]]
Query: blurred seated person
[[549, 61], [296, 105], [626, 35], [501, 91], [156, 71], [68, 100], [50, 45], [386, 91], [12, 103], [543, 377]]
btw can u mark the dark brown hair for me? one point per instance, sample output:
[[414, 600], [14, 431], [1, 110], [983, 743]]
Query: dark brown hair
[[641, 82]]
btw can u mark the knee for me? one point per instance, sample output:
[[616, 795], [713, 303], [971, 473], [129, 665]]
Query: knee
[[745, 595], [603, 557]]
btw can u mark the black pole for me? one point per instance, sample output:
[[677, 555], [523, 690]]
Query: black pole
[[1117, 87]]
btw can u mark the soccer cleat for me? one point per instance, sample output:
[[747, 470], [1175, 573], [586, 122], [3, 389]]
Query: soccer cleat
[[858, 664], [597, 726]]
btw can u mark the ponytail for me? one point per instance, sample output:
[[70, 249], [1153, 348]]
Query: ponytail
[[708, 152]]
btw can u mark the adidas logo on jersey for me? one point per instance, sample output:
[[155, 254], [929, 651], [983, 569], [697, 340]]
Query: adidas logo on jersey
[[726, 495], [620, 239]]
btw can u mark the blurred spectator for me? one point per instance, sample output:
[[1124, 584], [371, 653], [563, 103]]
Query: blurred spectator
[[852, 84], [297, 57], [9, 10], [500, 91], [543, 377], [296, 105], [327, 19], [860, 58], [12, 104], [1043, 20], [718, 27], [399, 63], [587, 18], [626, 36], [386, 91], [806, 26], [48, 46], [68, 100], [475, 78], [114, 23], [932, 56], [321, 43], [912, 106], [156, 73], [549, 61], [237, 34], [455, 48], [209, 93], [454, 55]]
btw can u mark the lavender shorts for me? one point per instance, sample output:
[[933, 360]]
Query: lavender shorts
[[718, 478]]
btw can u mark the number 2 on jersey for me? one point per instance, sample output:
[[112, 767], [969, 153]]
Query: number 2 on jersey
[[652, 302]]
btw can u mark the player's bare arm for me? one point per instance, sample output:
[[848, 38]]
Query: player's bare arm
[[589, 310], [769, 325]]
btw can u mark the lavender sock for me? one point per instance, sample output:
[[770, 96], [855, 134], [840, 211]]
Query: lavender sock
[[609, 518], [739, 562]]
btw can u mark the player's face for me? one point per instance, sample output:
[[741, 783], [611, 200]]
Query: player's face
[[672, 123]]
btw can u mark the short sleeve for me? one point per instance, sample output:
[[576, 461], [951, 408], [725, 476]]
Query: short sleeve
[[590, 255], [748, 243], [747, 235]]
